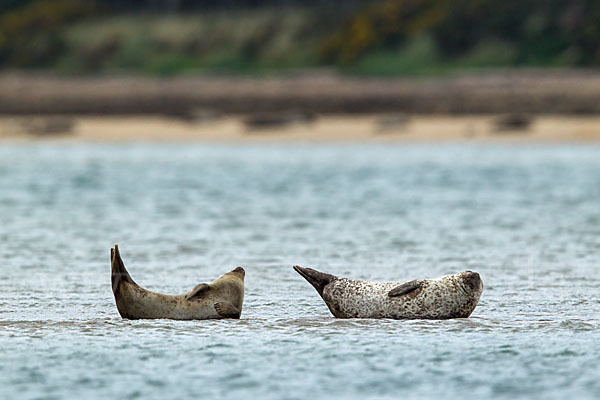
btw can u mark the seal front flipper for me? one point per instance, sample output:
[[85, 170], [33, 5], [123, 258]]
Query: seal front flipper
[[227, 310], [405, 288], [197, 291]]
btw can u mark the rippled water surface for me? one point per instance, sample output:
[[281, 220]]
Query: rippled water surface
[[527, 218]]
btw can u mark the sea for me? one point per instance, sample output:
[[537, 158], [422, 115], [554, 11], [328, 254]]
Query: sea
[[526, 217]]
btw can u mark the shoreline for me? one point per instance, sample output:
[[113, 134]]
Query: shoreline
[[501, 106], [539, 92], [396, 128]]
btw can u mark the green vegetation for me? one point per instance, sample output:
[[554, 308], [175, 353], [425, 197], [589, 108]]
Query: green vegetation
[[391, 37], [422, 36], [31, 36], [249, 41]]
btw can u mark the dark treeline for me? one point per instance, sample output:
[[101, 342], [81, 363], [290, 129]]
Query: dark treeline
[[530, 32], [152, 6], [373, 37], [199, 5]]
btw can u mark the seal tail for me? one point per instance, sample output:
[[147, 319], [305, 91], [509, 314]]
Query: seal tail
[[118, 272], [318, 279]]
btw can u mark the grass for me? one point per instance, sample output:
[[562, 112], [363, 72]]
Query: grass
[[421, 57], [260, 42], [252, 41]]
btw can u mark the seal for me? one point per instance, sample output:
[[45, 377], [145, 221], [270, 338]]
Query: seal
[[222, 298], [451, 296]]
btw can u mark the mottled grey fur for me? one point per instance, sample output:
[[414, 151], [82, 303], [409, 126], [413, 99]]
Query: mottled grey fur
[[451, 296]]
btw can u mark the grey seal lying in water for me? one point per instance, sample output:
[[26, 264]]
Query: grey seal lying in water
[[222, 298], [451, 296]]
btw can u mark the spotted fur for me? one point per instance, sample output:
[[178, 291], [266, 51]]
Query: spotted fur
[[451, 296]]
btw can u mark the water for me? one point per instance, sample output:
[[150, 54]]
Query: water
[[527, 218]]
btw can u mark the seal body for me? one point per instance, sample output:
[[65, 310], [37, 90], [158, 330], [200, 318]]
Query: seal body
[[222, 298], [451, 296]]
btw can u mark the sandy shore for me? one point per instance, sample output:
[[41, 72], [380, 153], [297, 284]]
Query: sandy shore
[[521, 106], [383, 127]]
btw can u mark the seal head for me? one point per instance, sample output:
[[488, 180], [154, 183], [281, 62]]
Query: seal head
[[471, 282]]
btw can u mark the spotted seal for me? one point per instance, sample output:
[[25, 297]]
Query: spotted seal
[[451, 296], [222, 298]]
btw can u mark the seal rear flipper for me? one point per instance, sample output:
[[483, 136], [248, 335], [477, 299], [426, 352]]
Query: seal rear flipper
[[318, 279], [118, 272], [227, 310], [405, 288], [197, 291]]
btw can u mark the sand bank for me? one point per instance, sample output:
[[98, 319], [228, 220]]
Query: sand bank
[[381, 127]]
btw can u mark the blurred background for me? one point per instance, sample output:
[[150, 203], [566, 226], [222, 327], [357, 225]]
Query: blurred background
[[375, 140], [392, 37], [285, 65]]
